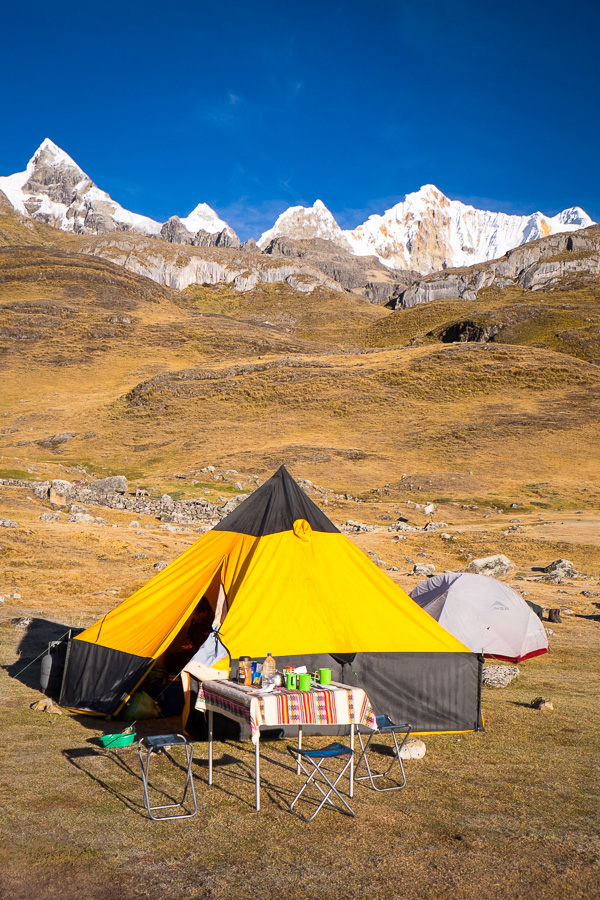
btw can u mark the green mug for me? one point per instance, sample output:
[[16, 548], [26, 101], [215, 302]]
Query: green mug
[[304, 681], [291, 681], [324, 676]]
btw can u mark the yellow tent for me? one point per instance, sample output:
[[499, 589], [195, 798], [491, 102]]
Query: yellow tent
[[280, 578]]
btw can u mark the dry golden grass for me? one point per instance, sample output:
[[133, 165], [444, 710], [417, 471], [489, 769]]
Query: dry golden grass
[[360, 401], [511, 811]]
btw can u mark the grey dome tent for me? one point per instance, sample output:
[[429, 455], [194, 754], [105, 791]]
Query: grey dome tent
[[485, 614]]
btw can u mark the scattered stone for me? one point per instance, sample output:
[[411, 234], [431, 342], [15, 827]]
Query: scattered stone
[[491, 565], [21, 622], [373, 556], [181, 475], [8, 523], [230, 506], [413, 749], [134, 524], [114, 484], [238, 486], [82, 519], [50, 517], [56, 440], [159, 566], [424, 570], [60, 492], [561, 567], [46, 706], [78, 508], [565, 611], [499, 676], [515, 521], [41, 489], [541, 703], [357, 527], [2, 599], [429, 509], [549, 632], [590, 593], [140, 556]]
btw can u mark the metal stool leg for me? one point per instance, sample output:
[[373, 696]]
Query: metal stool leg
[[317, 759], [158, 744], [393, 730]]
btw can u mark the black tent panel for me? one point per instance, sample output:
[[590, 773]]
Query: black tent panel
[[430, 691], [98, 679], [274, 508]]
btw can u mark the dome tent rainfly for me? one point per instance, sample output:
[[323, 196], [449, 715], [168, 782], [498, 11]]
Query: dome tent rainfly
[[483, 613], [281, 578]]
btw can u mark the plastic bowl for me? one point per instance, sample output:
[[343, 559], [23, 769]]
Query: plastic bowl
[[122, 739]]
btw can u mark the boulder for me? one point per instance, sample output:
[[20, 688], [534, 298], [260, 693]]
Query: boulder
[[413, 749], [56, 440], [499, 676], [114, 484], [357, 527], [46, 706], [50, 517], [541, 703], [8, 523], [562, 568], [41, 489], [425, 570], [159, 566], [60, 492], [491, 565]]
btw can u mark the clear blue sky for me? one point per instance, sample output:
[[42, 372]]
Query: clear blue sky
[[253, 107]]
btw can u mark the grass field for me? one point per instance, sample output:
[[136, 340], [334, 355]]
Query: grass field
[[374, 406]]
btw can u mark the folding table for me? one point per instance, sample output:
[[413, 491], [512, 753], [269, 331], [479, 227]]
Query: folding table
[[335, 704]]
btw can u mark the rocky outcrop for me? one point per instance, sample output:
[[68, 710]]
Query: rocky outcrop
[[178, 267], [362, 275], [491, 565], [114, 484], [549, 263], [175, 232]]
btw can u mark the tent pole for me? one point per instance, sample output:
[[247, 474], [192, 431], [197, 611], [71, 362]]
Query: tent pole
[[210, 746]]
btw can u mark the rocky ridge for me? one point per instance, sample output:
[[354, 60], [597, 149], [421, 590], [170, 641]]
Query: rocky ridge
[[425, 232], [551, 262]]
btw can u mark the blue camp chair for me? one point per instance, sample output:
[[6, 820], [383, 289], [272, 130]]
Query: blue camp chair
[[315, 760]]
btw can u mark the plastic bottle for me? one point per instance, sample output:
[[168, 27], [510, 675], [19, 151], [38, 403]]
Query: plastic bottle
[[268, 672]]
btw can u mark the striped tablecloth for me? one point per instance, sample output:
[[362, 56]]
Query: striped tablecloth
[[341, 704]]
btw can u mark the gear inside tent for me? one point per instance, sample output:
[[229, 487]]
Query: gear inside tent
[[484, 614]]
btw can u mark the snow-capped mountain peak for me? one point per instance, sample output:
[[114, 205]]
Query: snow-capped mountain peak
[[53, 189], [427, 231], [52, 154], [306, 223], [204, 218]]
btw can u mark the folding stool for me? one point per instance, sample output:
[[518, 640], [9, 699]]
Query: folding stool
[[317, 758], [384, 726], [161, 744]]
